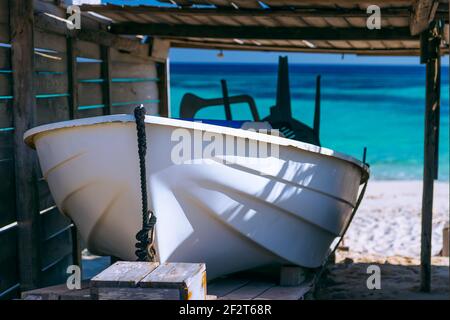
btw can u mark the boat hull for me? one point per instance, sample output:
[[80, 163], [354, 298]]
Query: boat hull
[[229, 209]]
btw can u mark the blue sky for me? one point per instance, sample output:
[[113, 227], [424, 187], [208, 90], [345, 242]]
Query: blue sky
[[196, 55]]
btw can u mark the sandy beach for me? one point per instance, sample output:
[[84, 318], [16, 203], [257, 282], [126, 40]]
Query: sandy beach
[[388, 221], [386, 232]]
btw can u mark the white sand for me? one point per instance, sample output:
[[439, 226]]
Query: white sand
[[399, 278], [388, 222], [386, 232]]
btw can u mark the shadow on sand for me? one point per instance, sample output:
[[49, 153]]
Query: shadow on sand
[[400, 279]]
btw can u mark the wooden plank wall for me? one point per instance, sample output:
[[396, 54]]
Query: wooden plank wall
[[9, 261], [104, 80], [133, 81]]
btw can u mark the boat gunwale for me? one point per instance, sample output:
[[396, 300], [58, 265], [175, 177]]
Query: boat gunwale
[[31, 134]]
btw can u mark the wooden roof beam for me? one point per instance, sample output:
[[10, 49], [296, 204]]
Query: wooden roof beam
[[59, 26], [291, 3], [423, 13], [252, 32], [278, 12], [248, 47]]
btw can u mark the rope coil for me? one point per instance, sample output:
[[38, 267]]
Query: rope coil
[[145, 247]]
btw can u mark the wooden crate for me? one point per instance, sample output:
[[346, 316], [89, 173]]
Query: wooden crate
[[150, 281]]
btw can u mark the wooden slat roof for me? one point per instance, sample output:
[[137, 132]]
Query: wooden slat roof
[[335, 26]]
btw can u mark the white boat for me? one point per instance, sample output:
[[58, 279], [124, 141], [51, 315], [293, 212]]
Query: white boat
[[237, 214]]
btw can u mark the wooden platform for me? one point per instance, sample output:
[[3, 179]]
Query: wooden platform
[[239, 287], [59, 292], [249, 285]]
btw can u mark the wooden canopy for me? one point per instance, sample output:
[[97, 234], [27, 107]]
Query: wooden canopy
[[329, 26]]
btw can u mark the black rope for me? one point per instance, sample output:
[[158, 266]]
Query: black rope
[[145, 250]]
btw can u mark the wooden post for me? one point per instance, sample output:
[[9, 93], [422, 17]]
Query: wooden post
[[162, 69], [106, 76], [445, 241], [430, 42], [24, 114], [437, 120], [76, 247], [72, 77]]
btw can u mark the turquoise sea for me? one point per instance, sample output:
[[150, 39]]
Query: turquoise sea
[[378, 107]]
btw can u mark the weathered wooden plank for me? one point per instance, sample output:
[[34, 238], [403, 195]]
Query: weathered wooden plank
[[7, 193], [89, 70], [285, 293], [52, 223], [223, 286], [45, 198], [72, 89], [252, 12], [57, 272], [59, 292], [5, 84], [86, 113], [121, 69], [422, 14], [49, 7], [256, 32], [5, 58], [4, 33], [6, 116], [24, 108], [332, 3], [132, 58], [90, 94], [6, 145], [4, 9], [151, 108], [58, 246], [72, 77], [89, 32], [123, 274], [134, 91], [77, 246], [49, 41], [182, 43], [107, 79], [430, 55], [160, 49], [249, 291], [11, 293], [46, 83], [88, 49], [163, 89], [292, 275], [52, 110], [50, 62], [137, 294], [9, 268], [148, 281], [446, 241], [172, 275]]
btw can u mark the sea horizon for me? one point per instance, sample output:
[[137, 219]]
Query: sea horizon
[[344, 64]]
